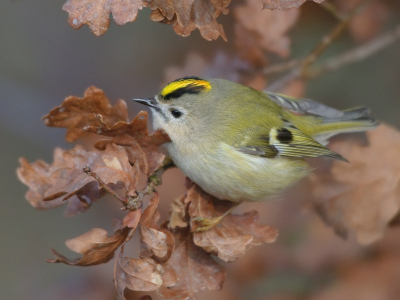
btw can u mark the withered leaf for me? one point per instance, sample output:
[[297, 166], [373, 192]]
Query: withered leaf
[[234, 235], [186, 16], [132, 218], [50, 185], [195, 270], [363, 195], [136, 274], [95, 245], [263, 29], [142, 148], [95, 13], [156, 243], [149, 216], [285, 4], [37, 177], [76, 113], [178, 214]]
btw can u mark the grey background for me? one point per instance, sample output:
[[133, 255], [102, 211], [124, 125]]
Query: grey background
[[43, 60]]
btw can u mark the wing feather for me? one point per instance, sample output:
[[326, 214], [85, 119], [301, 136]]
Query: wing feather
[[300, 145], [304, 106], [289, 142]]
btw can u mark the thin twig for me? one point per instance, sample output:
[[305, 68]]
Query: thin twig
[[357, 54], [332, 36], [282, 67], [330, 7], [134, 202], [155, 178], [327, 40], [88, 171]]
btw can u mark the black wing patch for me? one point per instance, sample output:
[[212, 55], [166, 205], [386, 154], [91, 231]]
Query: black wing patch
[[300, 145], [291, 143], [284, 135]]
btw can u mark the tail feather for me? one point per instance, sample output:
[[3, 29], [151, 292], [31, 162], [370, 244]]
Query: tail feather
[[350, 114], [353, 120], [331, 121]]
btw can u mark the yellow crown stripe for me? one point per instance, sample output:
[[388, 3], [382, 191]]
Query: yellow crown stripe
[[175, 85]]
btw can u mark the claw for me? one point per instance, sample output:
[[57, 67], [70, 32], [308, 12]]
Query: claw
[[206, 224]]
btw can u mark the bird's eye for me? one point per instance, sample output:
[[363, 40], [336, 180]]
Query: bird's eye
[[176, 113]]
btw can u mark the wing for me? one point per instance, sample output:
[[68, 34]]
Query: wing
[[307, 106], [303, 106], [289, 142]]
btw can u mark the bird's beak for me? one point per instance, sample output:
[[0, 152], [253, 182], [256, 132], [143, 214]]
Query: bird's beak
[[148, 102]]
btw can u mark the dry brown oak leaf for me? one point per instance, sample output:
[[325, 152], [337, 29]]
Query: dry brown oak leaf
[[260, 30], [131, 219], [147, 274], [234, 235], [362, 196], [95, 245], [285, 4], [186, 16], [64, 179], [179, 216], [194, 270], [156, 243], [142, 148], [93, 113], [137, 274], [96, 13], [76, 113]]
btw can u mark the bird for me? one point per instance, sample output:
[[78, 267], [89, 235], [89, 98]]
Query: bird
[[241, 144]]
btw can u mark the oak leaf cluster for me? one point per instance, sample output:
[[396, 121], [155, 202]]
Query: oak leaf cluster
[[174, 260], [183, 16]]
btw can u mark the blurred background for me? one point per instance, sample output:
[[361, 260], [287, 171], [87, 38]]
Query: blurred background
[[43, 60]]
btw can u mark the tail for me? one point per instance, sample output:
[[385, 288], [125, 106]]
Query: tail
[[352, 120], [330, 121]]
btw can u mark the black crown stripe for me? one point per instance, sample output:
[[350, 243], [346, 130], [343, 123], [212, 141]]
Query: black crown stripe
[[189, 89]]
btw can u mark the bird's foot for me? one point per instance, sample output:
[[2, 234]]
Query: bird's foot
[[206, 224]]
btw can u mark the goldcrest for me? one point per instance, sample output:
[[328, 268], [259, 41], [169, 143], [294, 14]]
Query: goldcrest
[[241, 144]]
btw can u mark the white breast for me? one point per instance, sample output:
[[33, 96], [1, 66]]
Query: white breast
[[229, 174]]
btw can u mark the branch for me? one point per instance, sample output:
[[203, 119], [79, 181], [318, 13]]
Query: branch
[[325, 42], [88, 171], [133, 203], [330, 7], [356, 54], [153, 181], [282, 67], [332, 36]]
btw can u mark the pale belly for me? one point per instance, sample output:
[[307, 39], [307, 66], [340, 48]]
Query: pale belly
[[232, 175]]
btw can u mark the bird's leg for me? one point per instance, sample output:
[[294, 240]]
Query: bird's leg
[[207, 224]]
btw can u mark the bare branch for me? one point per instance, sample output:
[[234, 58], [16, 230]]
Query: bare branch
[[88, 171], [356, 54], [330, 7], [282, 67], [332, 36], [325, 42]]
